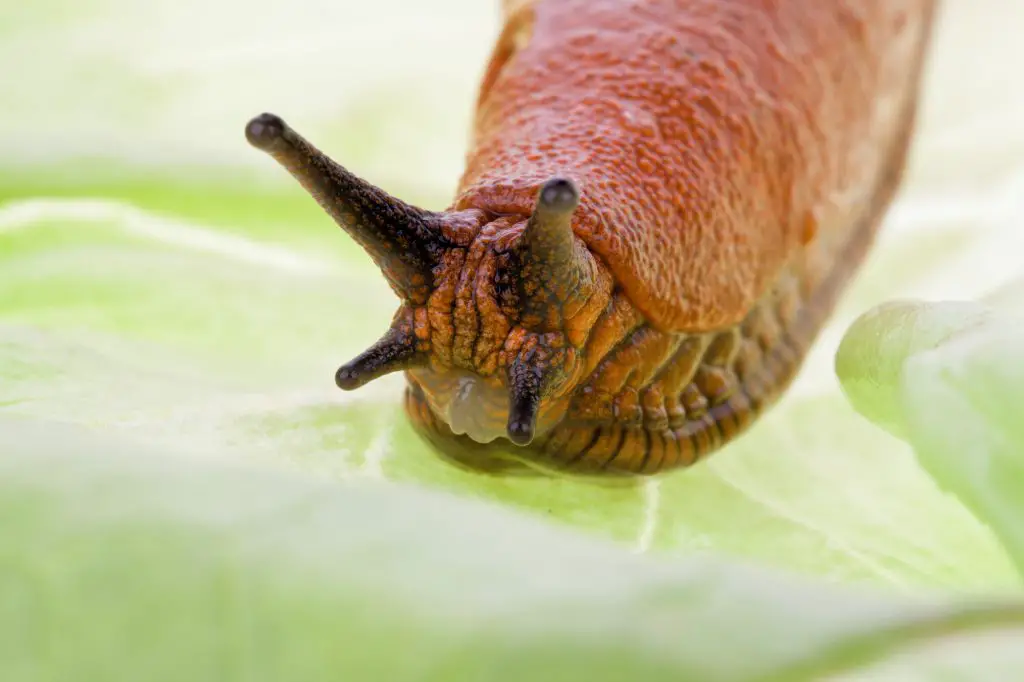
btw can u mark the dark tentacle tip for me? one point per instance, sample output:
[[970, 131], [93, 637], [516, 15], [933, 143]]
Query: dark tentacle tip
[[520, 431], [348, 378], [264, 130], [560, 195]]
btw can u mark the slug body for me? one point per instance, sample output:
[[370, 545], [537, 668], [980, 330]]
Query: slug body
[[663, 200]]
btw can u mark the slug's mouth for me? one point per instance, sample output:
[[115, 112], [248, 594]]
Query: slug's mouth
[[468, 404], [496, 457]]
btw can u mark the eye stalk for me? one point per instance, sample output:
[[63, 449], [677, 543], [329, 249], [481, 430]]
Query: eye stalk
[[401, 239], [555, 270]]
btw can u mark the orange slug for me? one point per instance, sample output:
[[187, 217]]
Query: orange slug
[[662, 201]]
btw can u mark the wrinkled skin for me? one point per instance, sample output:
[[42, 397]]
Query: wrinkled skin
[[662, 201]]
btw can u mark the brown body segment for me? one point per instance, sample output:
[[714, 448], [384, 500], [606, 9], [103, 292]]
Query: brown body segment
[[662, 201]]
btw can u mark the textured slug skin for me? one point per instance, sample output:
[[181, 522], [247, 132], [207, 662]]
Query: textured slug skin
[[662, 202], [736, 158], [712, 138]]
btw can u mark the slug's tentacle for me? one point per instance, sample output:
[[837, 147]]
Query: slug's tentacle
[[556, 270], [395, 351], [402, 239], [525, 385]]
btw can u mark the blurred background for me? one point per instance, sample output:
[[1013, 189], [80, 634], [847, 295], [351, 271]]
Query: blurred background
[[161, 280]]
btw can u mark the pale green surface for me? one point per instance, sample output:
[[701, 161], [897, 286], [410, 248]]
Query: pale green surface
[[948, 377], [129, 563], [164, 287]]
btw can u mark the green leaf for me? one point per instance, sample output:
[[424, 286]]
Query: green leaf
[[949, 378], [122, 561], [185, 495], [123, 318]]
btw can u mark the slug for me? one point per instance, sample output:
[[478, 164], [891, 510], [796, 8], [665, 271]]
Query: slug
[[662, 202]]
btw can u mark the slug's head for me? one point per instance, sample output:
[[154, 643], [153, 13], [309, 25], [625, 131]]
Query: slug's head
[[495, 307]]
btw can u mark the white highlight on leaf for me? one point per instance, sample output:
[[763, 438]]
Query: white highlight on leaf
[[652, 503], [376, 452], [23, 214], [214, 420]]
